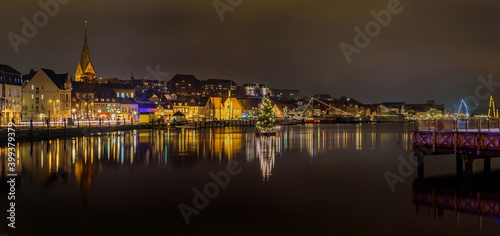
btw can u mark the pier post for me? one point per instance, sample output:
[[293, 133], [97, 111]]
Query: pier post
[[460, 165], [487, 165], [31, 128], [479, 125], [416, 125], [48, 128], [469, 164]]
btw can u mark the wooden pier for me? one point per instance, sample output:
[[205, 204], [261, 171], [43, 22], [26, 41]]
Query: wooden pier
[[468, 139], [478, 195]]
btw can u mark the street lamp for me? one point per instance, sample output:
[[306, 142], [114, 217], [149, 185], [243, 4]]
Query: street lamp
[[55, 109], [50, 101]]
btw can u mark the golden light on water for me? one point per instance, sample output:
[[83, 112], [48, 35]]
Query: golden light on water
[[174, 147]]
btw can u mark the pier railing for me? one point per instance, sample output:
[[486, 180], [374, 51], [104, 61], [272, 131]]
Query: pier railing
[[459, 125], [472, 136]]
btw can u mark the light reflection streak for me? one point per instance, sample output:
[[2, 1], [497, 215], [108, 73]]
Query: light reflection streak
[[178, 148]]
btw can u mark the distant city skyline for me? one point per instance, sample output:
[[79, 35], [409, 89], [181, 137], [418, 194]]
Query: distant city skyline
[[426, 52]]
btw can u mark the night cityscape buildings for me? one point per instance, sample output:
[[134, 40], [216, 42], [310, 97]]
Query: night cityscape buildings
[[232, 117], [46, 94]]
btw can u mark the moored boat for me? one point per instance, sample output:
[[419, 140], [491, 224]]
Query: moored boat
[[185, 127], [390, 119], [320, 121]]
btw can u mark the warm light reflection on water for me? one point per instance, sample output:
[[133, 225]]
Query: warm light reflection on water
[[305, 179], [81, 156]]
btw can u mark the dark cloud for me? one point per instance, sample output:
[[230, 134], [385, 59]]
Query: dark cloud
[[431, 50]]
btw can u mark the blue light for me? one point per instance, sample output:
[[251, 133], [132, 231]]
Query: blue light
[[244, 116], [460, 108]]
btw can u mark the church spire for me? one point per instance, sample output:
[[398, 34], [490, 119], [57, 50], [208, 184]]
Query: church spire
[[85, 70]]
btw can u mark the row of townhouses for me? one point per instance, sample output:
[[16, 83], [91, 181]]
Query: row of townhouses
[[45, 94]]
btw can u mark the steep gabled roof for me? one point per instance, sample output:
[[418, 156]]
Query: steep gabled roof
[[282, 105], [58, 79], [236, 104], [215, 103], [178, 114], [250, 103], [8, 69]]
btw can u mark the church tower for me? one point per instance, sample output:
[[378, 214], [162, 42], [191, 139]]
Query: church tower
[[85, 70]]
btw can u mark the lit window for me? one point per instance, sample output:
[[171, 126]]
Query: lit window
[[32, 96], [32, 87], [42, 96]]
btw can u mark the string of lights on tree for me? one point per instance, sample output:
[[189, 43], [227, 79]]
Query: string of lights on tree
[[267, 123]]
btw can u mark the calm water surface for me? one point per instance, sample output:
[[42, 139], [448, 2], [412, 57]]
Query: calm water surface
[[309, 180]]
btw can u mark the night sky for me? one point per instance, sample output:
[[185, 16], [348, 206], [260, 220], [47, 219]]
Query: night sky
[[431, 50]]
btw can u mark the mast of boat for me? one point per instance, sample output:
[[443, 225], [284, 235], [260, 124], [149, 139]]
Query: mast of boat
[[326, 104], [303, 111]]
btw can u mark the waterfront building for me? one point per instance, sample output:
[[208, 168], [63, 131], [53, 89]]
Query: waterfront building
[[250, 106], [129, 109], [214, 108], [10, 97], [428, 110], [283, 109], [106, 105], [82, 100], [387, 108], [181, 106], [104, 100], [218, 108], [256, 90], [232, 109], [184, 85], [85, 69], [217, 87], [178, 117], [193, 110], [165, 111], [148, 87], [47, 94]]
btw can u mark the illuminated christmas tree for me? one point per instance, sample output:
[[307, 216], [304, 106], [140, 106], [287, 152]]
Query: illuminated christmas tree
[[267, 123]]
